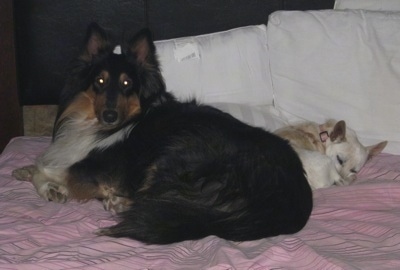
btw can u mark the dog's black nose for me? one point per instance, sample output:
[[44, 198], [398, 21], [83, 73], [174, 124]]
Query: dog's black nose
[[110, 116]]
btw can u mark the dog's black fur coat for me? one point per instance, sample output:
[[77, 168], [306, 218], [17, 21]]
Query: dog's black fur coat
[[188, 170]]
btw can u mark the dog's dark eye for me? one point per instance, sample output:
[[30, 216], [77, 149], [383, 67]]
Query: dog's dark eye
[[100, 81], [126, 83], [339, 160]]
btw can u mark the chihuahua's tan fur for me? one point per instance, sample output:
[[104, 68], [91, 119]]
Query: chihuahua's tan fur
[[331, 153]]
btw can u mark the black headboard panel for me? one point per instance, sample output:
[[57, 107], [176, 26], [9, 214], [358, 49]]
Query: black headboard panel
[[49, 33]]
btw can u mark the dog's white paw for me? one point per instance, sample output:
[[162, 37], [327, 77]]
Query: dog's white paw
[[116, 204], [25, 173], [54, 192], [345, 181], [341, 182]]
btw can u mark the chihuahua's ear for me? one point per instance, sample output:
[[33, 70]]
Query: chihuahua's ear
[[142, 47], [338, 133], [96, 42], [374, 150]]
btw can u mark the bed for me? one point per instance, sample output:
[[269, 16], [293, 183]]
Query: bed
[[353, 227]]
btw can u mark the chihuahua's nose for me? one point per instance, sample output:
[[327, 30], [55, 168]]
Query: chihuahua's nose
[[110, 116]]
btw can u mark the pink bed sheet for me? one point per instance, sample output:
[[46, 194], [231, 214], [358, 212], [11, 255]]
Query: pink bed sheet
[[354, 227]]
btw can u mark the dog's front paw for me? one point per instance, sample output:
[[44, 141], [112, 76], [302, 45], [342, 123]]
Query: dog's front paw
[[344, 181], [54, 192], [116, 204], [25, 173]]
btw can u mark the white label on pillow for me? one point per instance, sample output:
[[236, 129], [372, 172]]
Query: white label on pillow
[[186, 49], [117, 49]]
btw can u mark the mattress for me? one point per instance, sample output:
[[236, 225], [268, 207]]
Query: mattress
[[353, 227]]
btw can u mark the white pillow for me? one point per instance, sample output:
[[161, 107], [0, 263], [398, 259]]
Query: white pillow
[[342, 65], [228, 66], [266, 117], [368, 4]]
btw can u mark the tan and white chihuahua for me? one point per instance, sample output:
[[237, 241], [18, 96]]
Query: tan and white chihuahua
[[331, 153]]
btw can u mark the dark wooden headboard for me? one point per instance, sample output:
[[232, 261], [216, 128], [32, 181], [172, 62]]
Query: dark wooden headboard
[[49, 33]]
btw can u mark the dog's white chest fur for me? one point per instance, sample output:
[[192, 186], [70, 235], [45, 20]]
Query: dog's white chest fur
[[77, 139]]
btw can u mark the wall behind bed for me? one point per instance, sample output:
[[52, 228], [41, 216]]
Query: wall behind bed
[[49, 34], [10, 111]]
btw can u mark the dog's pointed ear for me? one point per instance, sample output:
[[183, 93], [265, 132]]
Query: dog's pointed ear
[[374, 150], [338, 133], [142, 47], [96, 42], [141, 52]]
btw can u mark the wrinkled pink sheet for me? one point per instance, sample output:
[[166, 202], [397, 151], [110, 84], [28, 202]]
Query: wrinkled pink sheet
[[354, 227]]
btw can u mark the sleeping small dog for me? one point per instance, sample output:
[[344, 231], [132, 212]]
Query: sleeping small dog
[[331, 153], [172, 170]]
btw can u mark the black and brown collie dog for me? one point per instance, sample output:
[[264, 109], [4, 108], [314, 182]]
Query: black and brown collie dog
[[172, 170]]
